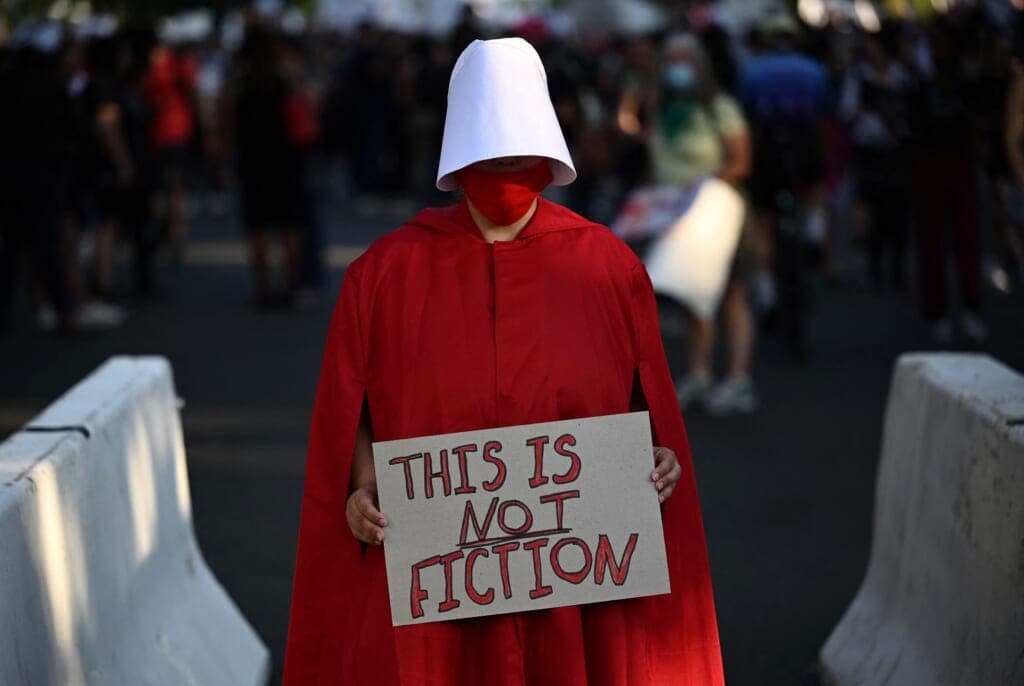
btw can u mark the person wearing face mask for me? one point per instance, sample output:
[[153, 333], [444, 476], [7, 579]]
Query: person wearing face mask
[[700, 132], [503, 309]]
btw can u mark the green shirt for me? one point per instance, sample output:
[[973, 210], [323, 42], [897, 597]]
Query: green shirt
[[697, 149]]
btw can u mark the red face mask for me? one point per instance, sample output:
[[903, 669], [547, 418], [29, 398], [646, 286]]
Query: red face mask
[[504, 197]]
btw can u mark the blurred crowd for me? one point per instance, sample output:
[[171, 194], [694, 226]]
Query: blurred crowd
[[891, 155]]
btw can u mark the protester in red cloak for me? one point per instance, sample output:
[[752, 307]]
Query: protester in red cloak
[[464, 320]]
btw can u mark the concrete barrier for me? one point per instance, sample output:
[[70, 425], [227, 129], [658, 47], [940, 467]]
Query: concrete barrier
[[101, 579], [943, 598]]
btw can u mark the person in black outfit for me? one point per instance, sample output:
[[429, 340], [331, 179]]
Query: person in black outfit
[[876, 106], [269, 168], [35, 136], [114, 157], [945, 188]]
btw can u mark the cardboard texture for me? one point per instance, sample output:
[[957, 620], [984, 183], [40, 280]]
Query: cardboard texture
[[520, 518]]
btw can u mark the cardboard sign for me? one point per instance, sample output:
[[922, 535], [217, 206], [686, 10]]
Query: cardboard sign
[[696, 229], [520, 518]]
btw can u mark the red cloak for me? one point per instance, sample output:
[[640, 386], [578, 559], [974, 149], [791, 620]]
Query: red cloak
[[439, 331]]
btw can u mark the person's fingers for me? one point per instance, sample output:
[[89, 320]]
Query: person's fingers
[[673, 475], [355, 520], [367, 532], [664, 461], [659, 460], [366, 507], [363, 518], [664, 495]]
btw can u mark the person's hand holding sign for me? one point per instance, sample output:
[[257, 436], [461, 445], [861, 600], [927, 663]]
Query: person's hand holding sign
[[364, 519], [666, 472]]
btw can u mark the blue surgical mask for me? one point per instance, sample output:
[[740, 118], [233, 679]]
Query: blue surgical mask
[[680, 76]]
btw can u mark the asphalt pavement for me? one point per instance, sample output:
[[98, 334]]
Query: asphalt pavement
[[787, 493]]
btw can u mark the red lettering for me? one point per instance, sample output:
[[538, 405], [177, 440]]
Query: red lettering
[[481, 531], [556, 562], [605, 559], [417, 595], [527, 518], [449, 603], [503, 550], [404, 461], [539, 590], [490, 447], [461, 451], [574, 468], [538, 443], [487, 597], [559, 499], [429, 475]]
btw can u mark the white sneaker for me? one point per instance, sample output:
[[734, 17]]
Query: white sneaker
[[974, 329], [692, 388], [98, 314], [732, 396]]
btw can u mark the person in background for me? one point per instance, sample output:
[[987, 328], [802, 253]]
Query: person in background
[[1014, 145], [634, 113], [698, 131], [269, 166], [169, 88], [431, 69], [302, 132], [875, 105], [38, 139], [113, 164], [987, 61], [136, 220], [721, 51], [945, 188], [786, 97], [34, 172], [210, 116], [371, 117]]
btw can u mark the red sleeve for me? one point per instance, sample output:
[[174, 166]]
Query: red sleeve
[[688, 628], [327, 550]]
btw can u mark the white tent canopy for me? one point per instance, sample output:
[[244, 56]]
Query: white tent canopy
[[412, 16], [741, 15], [440, 16], [631, 17]]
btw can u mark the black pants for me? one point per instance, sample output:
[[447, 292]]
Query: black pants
[[887, 232], [31, 214]]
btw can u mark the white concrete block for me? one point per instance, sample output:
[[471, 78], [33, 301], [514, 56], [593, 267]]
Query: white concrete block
[[943, 598], [101, 579]]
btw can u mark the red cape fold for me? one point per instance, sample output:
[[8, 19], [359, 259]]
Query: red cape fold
[[439, 331]]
